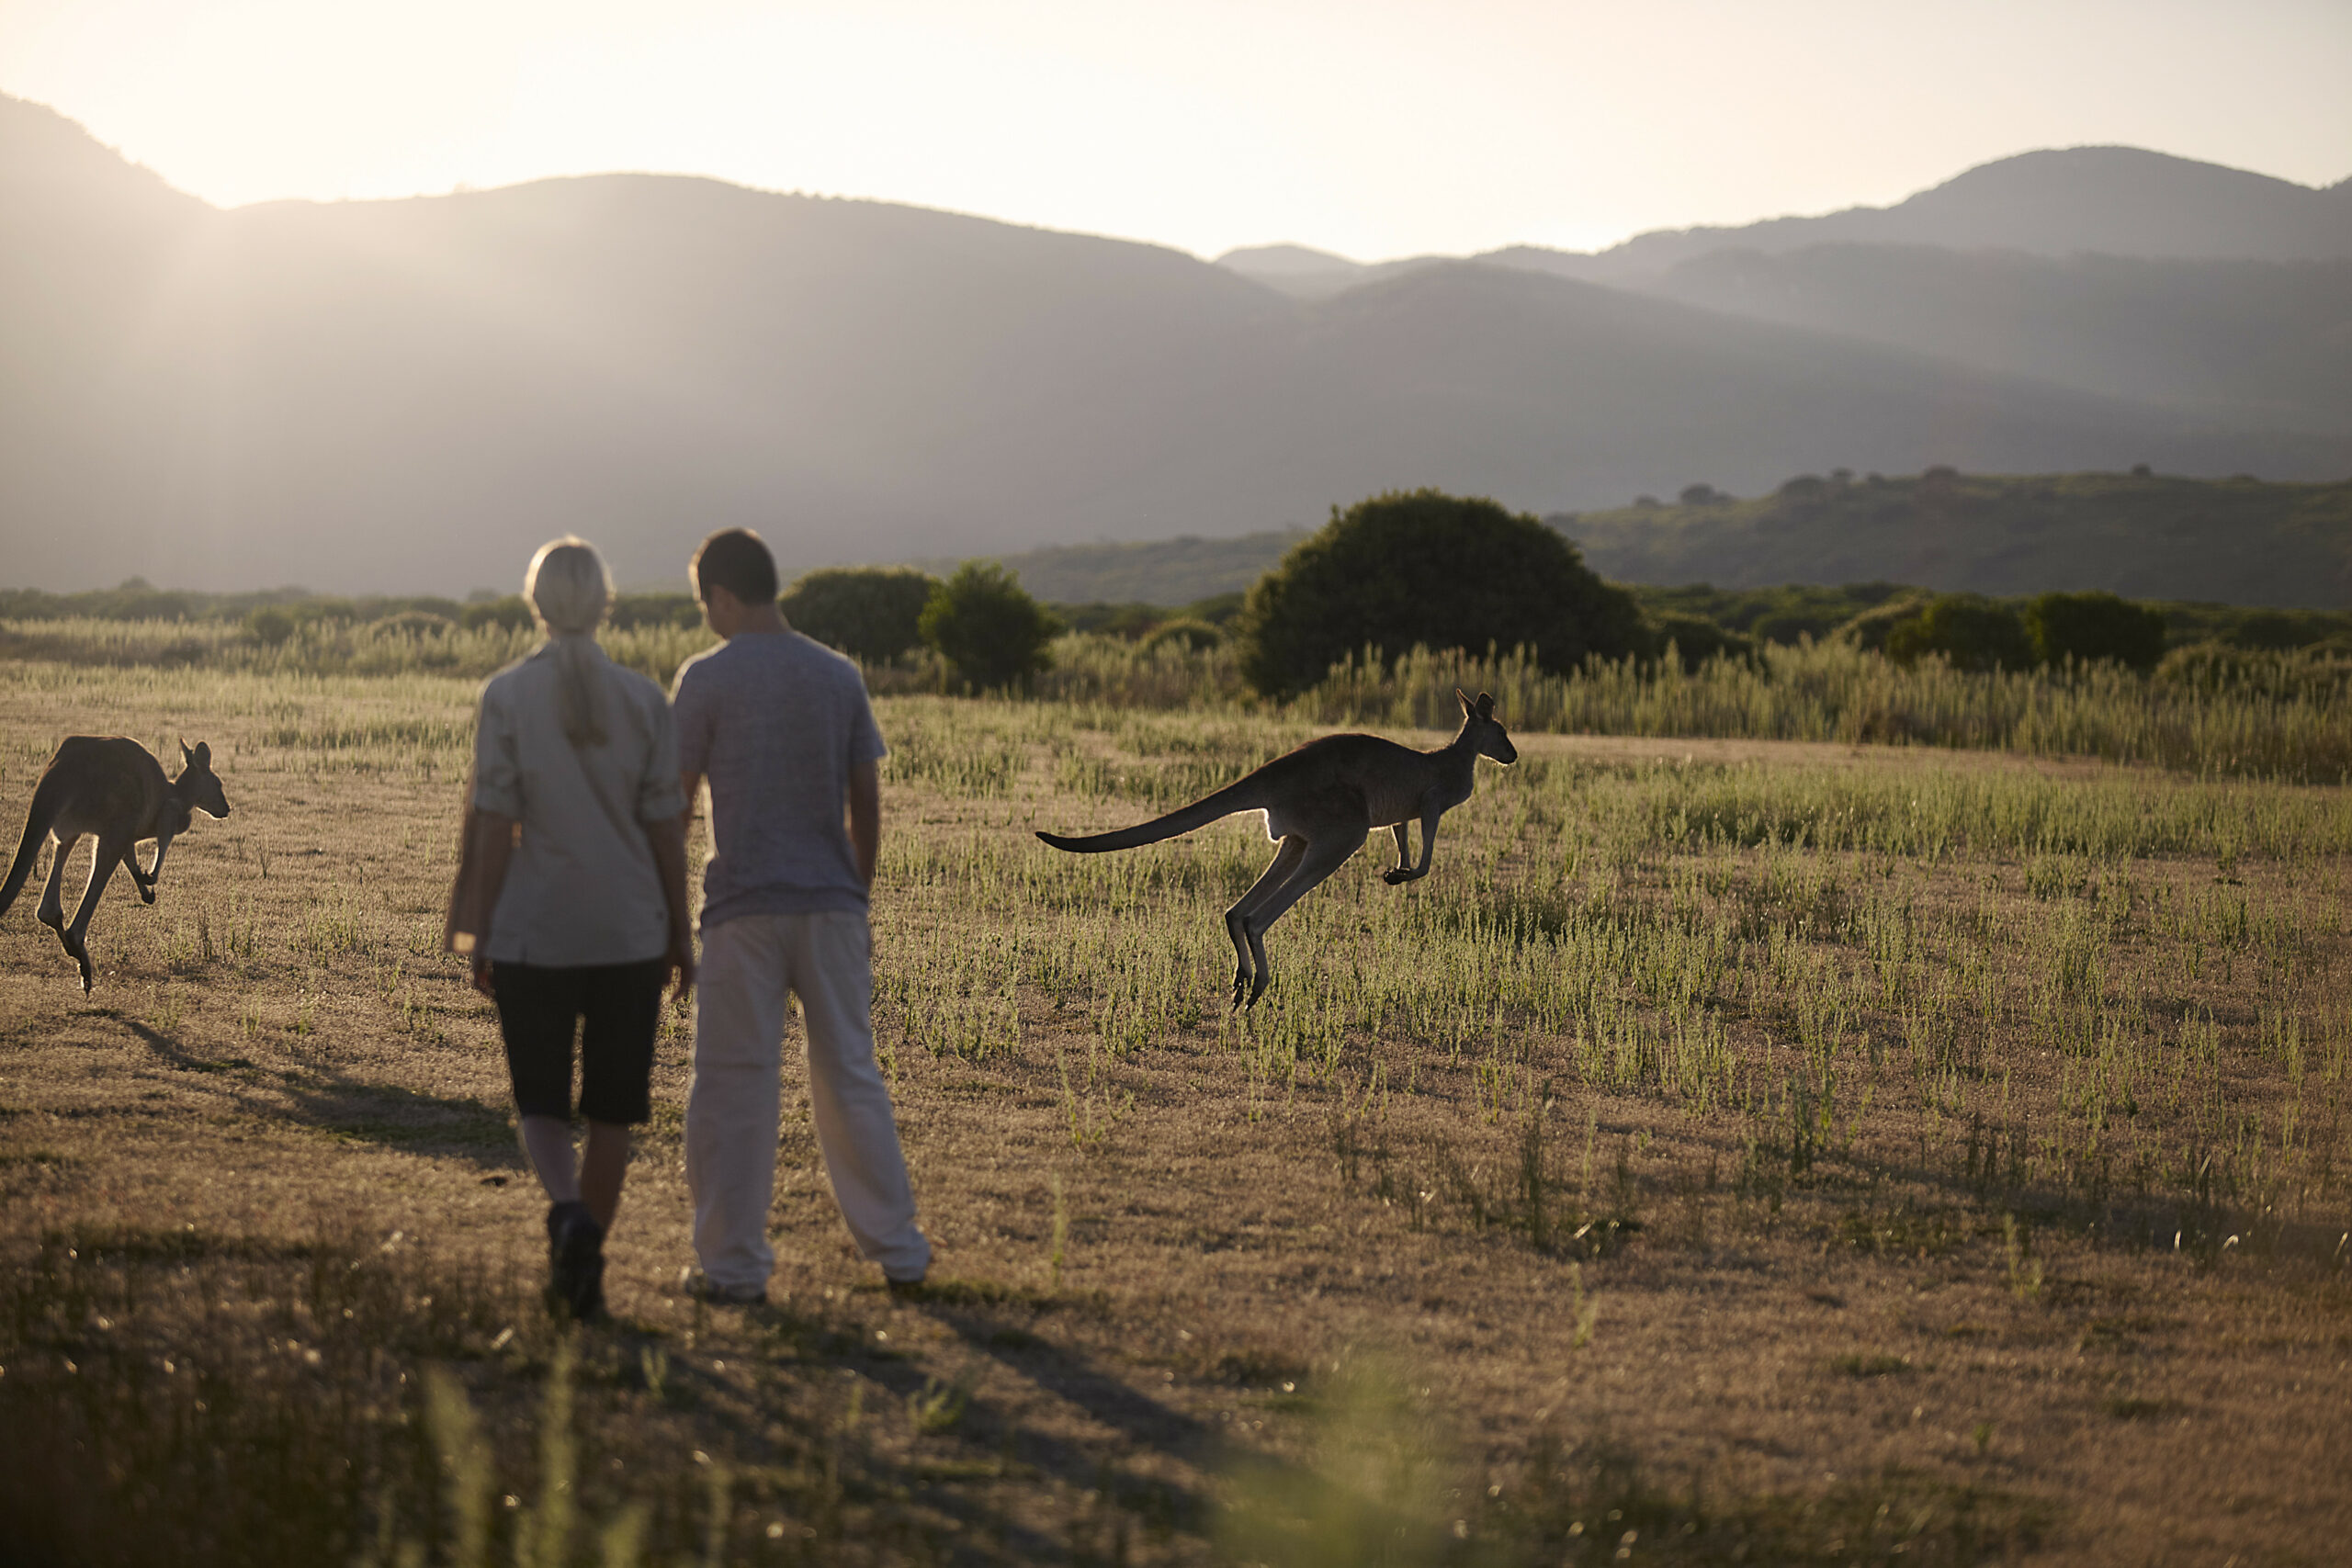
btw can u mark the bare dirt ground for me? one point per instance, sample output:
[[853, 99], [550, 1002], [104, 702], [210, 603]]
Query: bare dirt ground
[[1177, 1299]]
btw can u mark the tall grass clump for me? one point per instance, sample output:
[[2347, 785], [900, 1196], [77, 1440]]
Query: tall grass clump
[[2285, 717], [2257, 726]]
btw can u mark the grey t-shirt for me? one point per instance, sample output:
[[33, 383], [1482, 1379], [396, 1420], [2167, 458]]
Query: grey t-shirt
[[583, 888], [774, 723]]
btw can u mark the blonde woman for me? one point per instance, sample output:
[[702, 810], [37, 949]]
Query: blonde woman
[[571, 901]]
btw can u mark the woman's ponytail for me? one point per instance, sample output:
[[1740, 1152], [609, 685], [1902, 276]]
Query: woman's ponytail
[[569, 592]]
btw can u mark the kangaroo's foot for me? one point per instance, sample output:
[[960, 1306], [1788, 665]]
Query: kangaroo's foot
[[81, 956], [1258, 987], [1396, 875], [146, 889], [1240, 986]]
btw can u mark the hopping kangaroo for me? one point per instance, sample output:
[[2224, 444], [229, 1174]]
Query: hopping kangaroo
[[1321, 802], [112, 787]]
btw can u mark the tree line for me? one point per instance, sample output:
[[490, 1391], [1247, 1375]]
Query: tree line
[[1397, 571]]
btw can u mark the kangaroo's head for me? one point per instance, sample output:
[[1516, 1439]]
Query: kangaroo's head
[[1482, 732], [196, 787]]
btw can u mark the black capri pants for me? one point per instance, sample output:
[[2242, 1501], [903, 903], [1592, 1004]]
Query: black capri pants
[[539, 1007]]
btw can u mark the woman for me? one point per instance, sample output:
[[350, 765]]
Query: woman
[[570, 899]]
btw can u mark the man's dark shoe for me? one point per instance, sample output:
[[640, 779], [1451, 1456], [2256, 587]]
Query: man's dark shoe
[[575, 1261]]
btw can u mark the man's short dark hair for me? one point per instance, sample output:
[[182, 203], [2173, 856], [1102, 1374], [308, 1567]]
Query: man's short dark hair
[[737, 560]]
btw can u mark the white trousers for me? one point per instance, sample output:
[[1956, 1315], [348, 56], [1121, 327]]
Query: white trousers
[[750, 965]]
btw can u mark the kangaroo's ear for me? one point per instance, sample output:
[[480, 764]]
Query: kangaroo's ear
[[1464, 698], [202, 755], [187, 755], [1484, 707]]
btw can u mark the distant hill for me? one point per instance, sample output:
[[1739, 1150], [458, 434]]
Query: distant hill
[[2255, 341], [2145, 536], [2116, 202], [1156, 571], [2223, 294], [1304, 273], [408, 396]]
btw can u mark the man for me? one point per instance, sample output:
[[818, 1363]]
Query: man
[[781, 727]]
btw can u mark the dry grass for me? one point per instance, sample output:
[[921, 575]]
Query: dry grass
[[1733, 1152]]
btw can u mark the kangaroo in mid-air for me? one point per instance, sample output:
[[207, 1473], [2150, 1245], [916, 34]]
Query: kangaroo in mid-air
[[1321, 802], [111, 787]]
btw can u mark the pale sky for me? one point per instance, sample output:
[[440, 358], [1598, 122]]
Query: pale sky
[[1373, 127]]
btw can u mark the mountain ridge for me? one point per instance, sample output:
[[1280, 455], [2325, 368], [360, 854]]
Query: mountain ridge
[[401, 395]]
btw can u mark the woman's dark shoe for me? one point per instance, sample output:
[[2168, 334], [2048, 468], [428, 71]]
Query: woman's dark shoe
[[575, 1261]]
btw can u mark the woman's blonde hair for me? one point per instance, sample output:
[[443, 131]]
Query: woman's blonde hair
[[569, 591]]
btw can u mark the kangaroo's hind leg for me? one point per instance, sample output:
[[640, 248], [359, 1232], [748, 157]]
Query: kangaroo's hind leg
[[1326, 853], [36, 834], [75, 936], [1287, 855], [51, 910]]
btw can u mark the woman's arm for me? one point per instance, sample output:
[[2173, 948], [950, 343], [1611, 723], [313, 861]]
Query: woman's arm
[[493, 848], [667, 838]]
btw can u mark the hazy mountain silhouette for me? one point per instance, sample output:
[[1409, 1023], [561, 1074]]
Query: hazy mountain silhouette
[[2117, 202], [2254, 342], [2225, 294], [410, 395], [1304, 273]]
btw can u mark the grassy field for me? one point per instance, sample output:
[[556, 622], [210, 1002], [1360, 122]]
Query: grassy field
[[1737, 1150]]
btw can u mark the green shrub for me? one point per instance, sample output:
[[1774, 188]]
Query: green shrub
[[986, 624], [631, 611], [2321, 674], [873, 612], [1424, 569], [1973, 632], [508, 614], [1869, 629], [2087, 627], [408, 623], [269, 626], [1192, 636], [1218, 609], [1696, 639]]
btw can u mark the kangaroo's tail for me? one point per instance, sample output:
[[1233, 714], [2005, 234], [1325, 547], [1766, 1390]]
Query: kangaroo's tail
[[1241, 796], [36, 825]]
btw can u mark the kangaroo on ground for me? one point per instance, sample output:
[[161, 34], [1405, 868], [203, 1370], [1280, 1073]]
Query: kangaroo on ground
[[1321, 802], [110, 786]]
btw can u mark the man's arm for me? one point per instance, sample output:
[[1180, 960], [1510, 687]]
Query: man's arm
[[866, 817]]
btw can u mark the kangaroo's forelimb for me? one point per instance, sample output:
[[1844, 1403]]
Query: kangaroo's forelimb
[[1405, 871]]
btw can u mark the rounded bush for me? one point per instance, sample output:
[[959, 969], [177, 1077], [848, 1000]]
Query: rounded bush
[[1192, 636], [1697, 640], [1972, 631], [414, 622], [2090, 626], [507, 614], [1870, 630], [1424, 568], [868, 611], [986, 624], [269, 626]]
